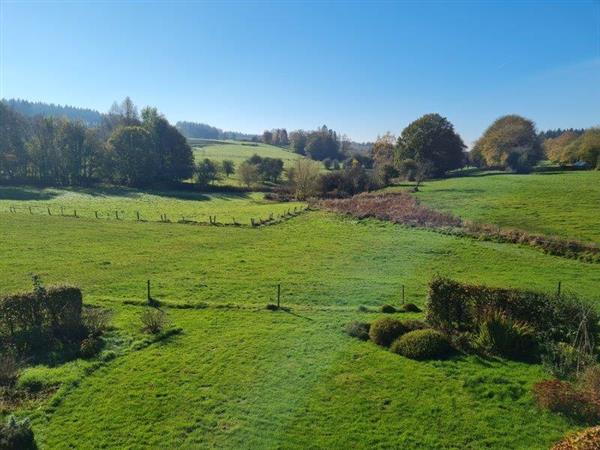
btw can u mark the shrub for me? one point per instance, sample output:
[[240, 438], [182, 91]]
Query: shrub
[[16, 435], [588, 439], [563, 360], [458, 307], [562, 397], [90, 347], [9, 368], [362, 308], [413, 324], [153, 320], [590, 379], [388, 309], [410, 307], [385, 330], [358, 330], [422, 344], [96, 320], [503, 336]]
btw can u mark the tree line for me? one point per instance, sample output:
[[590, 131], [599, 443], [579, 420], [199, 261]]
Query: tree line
[[204, 131], [88, 116], [126, 148]]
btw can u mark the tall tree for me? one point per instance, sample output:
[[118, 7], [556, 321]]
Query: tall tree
[[511, 142], [432, 140], [130, 149]]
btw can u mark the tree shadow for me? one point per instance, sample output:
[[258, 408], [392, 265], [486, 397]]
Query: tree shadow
[[24, 193]]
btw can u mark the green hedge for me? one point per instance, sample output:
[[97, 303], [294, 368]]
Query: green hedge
[[58, 309], [458, 307]]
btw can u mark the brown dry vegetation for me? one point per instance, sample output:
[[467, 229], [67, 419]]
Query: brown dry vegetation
[[397, 207]]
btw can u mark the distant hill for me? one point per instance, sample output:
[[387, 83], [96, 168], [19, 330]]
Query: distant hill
[[204, 131], [32, 109]]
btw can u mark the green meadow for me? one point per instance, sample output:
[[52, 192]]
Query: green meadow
[[112, 203], [240, 376], [238, 152], [565, 204]]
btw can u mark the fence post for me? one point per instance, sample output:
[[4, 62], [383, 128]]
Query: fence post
[[138, 215], [49, 213], [148, 286], [62, 211], [30, 210], [402, 293], [117, 215], [278, 295], [75, 212], [559, 286], [96, 213]]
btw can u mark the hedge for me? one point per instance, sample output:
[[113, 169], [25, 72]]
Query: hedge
[[58, 308], [459, 307]]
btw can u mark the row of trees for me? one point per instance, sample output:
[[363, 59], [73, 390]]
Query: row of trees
[[125, 148], [204, 131], [571, 147], [277, 136]]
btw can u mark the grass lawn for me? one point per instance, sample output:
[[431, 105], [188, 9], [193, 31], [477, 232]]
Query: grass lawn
[[123, 202], [565, 204], [239, 152], [243, 377]]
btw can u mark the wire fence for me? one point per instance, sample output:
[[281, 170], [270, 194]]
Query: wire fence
[[159, 217]]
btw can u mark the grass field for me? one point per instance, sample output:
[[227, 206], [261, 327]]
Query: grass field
[[124, 203], [239, 152], [243, 377], [565, 204]]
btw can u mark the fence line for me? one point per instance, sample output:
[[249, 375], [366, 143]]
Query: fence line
[[271, 219]]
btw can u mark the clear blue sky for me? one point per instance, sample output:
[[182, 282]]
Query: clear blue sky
[[361, 68]]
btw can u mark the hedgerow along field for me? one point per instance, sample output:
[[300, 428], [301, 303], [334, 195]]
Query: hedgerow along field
[[561, 203], [120, 203], [242, 376], [238, 152]]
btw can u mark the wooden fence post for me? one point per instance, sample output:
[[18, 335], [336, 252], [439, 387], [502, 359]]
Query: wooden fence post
[[30, 210], [402, 293], [138, 215], [278, 295], [559, 286], [49, 213], [96, 213], [148, 286]]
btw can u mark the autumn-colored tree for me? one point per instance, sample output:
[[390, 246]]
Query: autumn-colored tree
[[383, 149], [555, 147], [511, 142]]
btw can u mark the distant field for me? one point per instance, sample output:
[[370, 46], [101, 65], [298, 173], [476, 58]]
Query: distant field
[[565, 204], [244, 377], [124, 203], [239, 152]]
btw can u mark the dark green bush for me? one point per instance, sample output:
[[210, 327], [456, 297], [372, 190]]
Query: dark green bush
[[457, 307], [414, 324], [16, 435], [9, 367], [422, 344], [410, 307], [358, 330], [388, 309], [385, 330], [501, 335], [90, 347]]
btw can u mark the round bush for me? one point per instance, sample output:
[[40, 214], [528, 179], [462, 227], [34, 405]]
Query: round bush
[[383, 331], [422, 344], [358, 330], [388, 309], [410, 307]]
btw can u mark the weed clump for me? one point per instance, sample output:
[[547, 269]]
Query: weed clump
[[580, 404], [359, 330], [385, 330], [422, 344], [153, 320], [588, 439], [501, 335], [388, 309]]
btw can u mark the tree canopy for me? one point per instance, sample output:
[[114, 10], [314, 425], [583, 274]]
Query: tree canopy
[[431, 140], [511, 142]]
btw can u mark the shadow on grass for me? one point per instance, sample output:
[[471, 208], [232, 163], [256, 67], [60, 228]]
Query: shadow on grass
[[26, 193]]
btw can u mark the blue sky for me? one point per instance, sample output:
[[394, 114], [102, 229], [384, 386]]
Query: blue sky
[[362, 68]]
